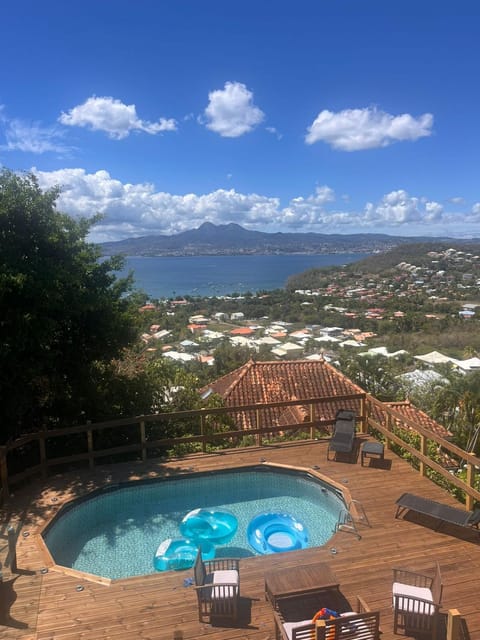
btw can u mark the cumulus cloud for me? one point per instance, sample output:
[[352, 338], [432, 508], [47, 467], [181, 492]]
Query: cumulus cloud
[[114, 117], [357, 129], [30, 137], [398, 208], [231, 111], [140, 209]]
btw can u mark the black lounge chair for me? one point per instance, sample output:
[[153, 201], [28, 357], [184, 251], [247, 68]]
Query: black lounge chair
[[343, 437], [442, 512]]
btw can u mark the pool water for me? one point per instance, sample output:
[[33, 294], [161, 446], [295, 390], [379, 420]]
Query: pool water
[[115, 533]]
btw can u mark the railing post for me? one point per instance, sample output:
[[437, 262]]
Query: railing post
[[202, 430], [257, 426], [454, 624], [43, 453], [363, 415], [469, 501], [12, 548], [4, 474], [91, 461], [423, 451], [143, 440], [388, 427]]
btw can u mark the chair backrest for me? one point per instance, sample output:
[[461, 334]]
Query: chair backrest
[[345, 414], [359, 626], [199, 570]]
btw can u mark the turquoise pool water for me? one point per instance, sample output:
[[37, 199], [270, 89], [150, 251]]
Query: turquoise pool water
[[115, 533]]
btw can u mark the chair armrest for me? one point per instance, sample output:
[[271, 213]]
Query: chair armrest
[[362, 606], [279, 629]]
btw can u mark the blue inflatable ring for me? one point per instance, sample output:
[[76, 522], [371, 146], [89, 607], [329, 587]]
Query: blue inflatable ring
[[178, 554], [206, 524], [276, 532]]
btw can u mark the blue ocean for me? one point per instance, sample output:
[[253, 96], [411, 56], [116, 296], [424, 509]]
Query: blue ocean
[[167, 277]]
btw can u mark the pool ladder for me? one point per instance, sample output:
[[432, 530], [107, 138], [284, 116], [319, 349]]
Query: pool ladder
[[348, 523]]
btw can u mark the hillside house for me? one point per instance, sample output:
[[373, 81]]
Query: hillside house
[[270, 382]]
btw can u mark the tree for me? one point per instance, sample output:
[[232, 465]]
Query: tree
[[63, 310]]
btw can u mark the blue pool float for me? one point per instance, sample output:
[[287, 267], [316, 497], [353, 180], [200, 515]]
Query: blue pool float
[[178, 554], [218, 527], [276, 532]]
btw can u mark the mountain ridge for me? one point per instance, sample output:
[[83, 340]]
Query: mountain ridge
[[233, 239]]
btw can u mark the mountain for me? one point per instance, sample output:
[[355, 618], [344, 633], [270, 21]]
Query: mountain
[[232, 239]]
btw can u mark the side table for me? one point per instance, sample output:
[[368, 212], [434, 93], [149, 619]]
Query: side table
[[372, 450]]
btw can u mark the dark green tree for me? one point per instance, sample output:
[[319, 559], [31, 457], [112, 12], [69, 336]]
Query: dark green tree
[[64, 313]]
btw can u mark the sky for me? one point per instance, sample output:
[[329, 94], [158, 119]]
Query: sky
[[331, 116]]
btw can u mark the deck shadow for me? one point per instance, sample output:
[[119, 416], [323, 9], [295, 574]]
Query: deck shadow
[[244, 620], [378, 463], [7, 598]]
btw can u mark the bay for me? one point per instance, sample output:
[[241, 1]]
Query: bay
[[168, 277]]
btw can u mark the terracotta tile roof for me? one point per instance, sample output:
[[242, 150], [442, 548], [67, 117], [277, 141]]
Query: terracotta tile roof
[[407, 409], [242, 331], [274, 381]]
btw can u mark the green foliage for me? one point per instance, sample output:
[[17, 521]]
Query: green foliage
[[64, 313], [373, 373], [228, 358]]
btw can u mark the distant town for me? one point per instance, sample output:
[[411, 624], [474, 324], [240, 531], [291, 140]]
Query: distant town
[[421, 311]]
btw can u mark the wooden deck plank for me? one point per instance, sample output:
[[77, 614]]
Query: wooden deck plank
[[155, 606]]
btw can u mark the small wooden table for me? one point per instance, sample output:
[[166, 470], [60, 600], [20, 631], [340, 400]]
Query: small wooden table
[[301, 580], [372, 449]]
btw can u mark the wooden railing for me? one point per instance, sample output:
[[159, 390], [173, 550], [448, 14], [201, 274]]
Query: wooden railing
[[218, 427], [392, 423], [208, 427]]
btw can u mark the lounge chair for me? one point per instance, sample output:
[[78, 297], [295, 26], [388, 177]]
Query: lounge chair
[[416, 601], [442, 512], [343, 437], [217, 583], [361, 624]]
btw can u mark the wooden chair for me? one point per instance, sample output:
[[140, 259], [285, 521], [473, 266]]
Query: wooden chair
[[217, 583], [416, 601], [361, 624]]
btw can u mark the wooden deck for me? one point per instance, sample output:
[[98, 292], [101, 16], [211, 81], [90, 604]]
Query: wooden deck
[[47, 606]]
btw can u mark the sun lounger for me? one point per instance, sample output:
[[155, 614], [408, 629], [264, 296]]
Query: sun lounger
[[442, 512], [343, 437]]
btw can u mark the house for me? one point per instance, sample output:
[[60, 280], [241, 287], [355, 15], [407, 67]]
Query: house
[[242, 331], [407, 410], [198, 319], [435, 357], [237, 315], [270, 382], [275, 381], [288, 350]]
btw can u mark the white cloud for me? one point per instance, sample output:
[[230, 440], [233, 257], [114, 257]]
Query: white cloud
[[114, 117], [357, 129], [231, 112], [140, 209], [398, 208], [29, 137]]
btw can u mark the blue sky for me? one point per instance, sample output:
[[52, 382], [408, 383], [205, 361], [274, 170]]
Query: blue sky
[[328, 116]]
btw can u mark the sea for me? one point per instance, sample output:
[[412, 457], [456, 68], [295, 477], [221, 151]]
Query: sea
[[215, 276]]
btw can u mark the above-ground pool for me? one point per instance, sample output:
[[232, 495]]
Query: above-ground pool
[[116, 532]]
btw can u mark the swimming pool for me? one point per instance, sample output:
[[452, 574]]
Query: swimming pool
[[115, 532]]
